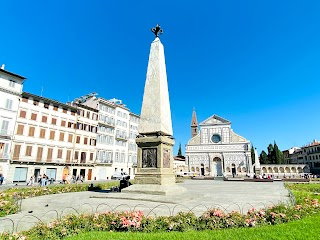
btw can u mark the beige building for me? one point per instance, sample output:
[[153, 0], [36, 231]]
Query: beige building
[[308, 154], [52, 138]]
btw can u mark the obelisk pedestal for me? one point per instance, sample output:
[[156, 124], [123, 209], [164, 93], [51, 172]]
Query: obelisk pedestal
[[154, 173]]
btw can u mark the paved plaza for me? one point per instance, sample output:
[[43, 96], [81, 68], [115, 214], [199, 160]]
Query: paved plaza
[[200, 195]]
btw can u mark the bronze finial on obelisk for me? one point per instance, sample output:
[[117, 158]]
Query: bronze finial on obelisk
[[157, 30]]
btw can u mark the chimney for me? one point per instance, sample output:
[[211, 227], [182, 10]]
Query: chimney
[[2, 66]]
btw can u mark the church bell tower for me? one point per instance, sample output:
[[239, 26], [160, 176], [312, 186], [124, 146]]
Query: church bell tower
[[194, 124]]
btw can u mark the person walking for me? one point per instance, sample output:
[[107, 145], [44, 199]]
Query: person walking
[[1, 179], [44, 180]]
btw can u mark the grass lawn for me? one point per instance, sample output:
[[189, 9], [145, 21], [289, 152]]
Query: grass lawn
[[308, 228]]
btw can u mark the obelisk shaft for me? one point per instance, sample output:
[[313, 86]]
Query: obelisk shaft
[[155, 112]]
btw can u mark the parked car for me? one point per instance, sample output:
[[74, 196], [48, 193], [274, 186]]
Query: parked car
[[119, 175]]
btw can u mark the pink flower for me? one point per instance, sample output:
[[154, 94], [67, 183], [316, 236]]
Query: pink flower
[[262, 213], [298, 207], [218, 213]]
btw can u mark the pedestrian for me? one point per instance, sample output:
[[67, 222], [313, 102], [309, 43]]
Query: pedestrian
[[1, 179], [31, 181], [64, 179], [44, 181]]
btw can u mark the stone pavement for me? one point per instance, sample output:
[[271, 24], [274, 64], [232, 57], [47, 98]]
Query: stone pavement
[[200, 195]]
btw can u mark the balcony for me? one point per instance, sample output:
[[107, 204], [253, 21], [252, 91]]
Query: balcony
[[4, 155], [121, 137], [104, 161], [107, 123], [5, 134]]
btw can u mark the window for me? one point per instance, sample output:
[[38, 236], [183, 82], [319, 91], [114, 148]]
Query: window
[[85, 141], [44, 119], [73, 113], [59, 153], [39, 153], [61, 137], [46, 105], [34, 116], [54, 121], [20, 129], [31, 132], [64, 110], [36, 102], [93, 142], [76, 155], [70, 137], [28, 150], [49, 155], [16, 152], [25, 99], [22, 114], [68, 157], [52, 133], [63, 123], [9, 104], [78, 139], [4, 126], [11, 83], [55, 108], [42, 133], [91, 156], [88, 114], [83, 157]]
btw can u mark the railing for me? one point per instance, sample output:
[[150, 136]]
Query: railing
[[110, 123], [104, 161], [4, 155], [120, 136], [4, 132]]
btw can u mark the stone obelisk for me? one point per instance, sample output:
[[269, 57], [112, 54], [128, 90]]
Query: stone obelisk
[[154, 173]]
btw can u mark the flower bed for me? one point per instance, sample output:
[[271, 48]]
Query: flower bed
[[9, 197], [135, 221]]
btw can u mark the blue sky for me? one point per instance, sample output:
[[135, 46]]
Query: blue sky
[[255, 63]]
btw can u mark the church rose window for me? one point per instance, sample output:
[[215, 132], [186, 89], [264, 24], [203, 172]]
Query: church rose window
[[215, 138]]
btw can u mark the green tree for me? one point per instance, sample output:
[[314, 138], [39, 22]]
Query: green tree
[[270, 154], [253, 155], [276, 154], [263, 157], [179, 151]]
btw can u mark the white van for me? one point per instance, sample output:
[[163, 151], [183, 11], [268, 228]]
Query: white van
[[119, 175]]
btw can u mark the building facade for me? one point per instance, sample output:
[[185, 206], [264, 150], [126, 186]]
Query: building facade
[[217, 150], [308, 154], [89, 137], [10, 91], [117, 131], [46, 140]]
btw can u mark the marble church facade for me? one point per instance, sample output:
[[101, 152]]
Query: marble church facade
[[216, 150]]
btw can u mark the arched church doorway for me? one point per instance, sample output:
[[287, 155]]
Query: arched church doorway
[[202, 169], [216, 167]]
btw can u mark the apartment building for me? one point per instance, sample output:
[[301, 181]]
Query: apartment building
[[10, 90], [308, 154], [117, 130], [52, 138]]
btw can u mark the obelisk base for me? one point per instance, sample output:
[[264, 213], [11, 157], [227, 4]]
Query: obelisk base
[[154, 173]]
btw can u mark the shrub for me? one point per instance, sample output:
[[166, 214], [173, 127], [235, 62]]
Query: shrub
[[9, 198]]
